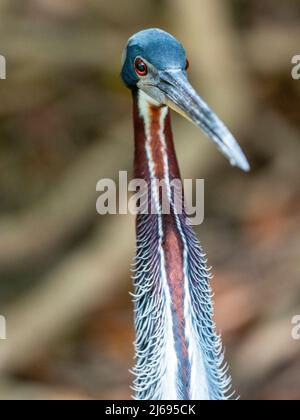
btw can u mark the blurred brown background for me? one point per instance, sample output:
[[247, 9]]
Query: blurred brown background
[[65, 123]]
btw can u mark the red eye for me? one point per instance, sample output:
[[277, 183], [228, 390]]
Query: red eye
[[141, 67], [187, 66]]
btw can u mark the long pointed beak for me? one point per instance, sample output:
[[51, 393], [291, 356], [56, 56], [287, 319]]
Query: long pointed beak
[[181, 97]]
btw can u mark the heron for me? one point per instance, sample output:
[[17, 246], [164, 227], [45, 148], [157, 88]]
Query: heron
[[178, 352]]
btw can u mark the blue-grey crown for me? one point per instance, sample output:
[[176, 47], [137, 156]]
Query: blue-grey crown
[[158, 47]]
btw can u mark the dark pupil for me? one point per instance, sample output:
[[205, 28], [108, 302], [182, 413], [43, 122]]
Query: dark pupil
[[141, 67]]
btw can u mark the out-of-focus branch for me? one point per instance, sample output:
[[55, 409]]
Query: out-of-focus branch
[[88, 277], [11, 390], [71, 52], [40, 232], [270, 48], [270, 346], [215, 53]]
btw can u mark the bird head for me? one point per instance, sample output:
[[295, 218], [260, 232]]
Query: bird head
[[155, 62]]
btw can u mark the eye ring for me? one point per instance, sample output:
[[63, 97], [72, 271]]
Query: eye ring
[[141, 67]]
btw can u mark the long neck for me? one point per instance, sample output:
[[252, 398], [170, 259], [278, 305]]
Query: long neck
[[154, 146], [177, 350]]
